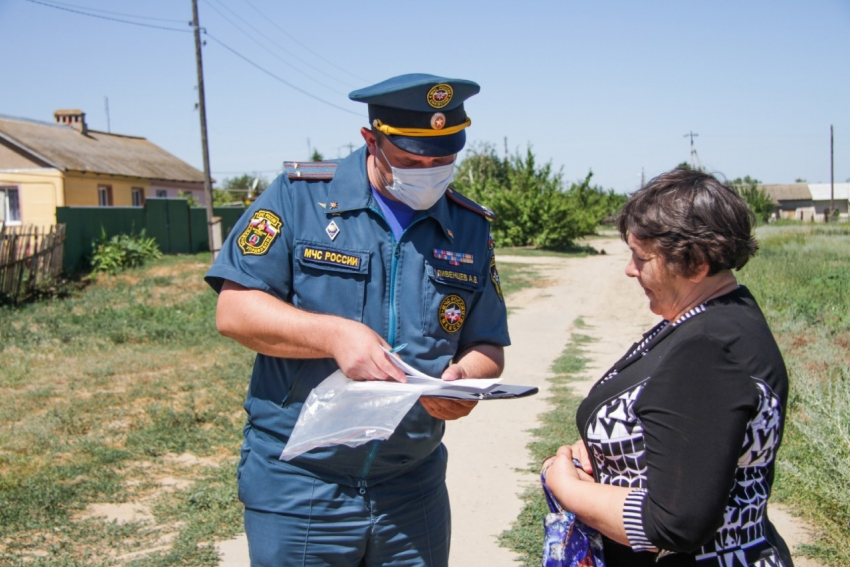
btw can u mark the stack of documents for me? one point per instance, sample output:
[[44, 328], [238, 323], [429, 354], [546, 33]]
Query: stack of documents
[[437, 387]]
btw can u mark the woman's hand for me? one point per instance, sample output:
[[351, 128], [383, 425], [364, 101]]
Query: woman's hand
[[561, 469], [580, 452]]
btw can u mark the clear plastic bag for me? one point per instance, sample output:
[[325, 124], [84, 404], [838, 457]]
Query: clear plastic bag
[[340, 411]]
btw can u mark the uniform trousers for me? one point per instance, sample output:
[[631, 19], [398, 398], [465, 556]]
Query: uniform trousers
[[403, 522]]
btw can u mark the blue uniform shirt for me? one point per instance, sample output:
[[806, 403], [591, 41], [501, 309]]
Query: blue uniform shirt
[[323, 245]]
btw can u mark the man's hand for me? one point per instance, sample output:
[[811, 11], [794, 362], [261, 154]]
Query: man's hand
[[358, 350], [442, 408], [481, 361], [267, 325]]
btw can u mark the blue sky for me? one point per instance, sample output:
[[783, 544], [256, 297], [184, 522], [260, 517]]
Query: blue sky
[[611, 87]]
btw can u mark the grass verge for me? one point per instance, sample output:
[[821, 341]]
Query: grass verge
[[121, 402], [557, 428], [800, 278]]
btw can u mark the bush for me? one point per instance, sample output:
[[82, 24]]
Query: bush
[[759, 202], [530, 201], [122, 251]]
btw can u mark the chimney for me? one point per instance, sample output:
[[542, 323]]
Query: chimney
[[76, 119]]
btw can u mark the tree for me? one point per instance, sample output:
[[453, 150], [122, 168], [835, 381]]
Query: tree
[[191, 200], [317, 156], [684, 165], [759, 202], [530, 200], [239, 190]]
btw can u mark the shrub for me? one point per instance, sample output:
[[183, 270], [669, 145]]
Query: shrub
[[530, 201], [756, 198], [122, 251]]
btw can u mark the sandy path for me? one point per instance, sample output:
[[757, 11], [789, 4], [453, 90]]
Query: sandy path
[[487, 447]]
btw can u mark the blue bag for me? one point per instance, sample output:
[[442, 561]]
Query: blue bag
[[568, 542]]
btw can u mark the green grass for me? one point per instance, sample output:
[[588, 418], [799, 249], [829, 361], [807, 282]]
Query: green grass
[[103, 391], [557, 428], [123, 392], [800, 277], [514, 277]]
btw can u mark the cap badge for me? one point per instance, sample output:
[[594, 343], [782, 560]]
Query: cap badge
[[440, 95], [438, 121], [332, 230]]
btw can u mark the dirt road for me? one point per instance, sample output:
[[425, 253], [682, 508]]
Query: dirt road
[[487, 447]]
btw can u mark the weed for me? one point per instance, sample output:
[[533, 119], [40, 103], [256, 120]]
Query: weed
[[557, 428], [800, 280]]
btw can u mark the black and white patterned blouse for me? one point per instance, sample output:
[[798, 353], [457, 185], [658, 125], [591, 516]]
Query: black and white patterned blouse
[[691, 417]]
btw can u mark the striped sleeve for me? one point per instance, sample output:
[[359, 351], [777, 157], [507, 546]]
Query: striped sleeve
[[633, 520]]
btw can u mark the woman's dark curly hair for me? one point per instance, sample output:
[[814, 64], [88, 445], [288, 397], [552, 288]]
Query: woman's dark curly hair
[[691, 219]]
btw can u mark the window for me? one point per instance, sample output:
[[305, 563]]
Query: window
[[104, 196], [10, 206], [161, 193], [138, 196]]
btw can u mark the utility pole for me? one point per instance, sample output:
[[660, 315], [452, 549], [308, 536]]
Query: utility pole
[[202, 108], [831, 176], [506, 148], [106, 103], [694, 154]]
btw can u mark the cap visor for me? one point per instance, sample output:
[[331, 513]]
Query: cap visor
[[431, 146]]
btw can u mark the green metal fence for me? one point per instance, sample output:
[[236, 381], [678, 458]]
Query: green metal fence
[[177, 227]]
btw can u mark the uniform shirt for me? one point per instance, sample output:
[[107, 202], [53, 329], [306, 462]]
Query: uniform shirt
[[323, 245], [692, 418]]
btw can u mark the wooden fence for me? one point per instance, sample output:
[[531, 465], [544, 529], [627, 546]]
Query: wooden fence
[[30, 259]]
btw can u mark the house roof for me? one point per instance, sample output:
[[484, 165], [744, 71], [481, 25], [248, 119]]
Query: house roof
[[67, 149], [788, 192], [821, 191]]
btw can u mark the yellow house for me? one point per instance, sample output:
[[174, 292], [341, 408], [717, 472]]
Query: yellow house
[[64, 164]]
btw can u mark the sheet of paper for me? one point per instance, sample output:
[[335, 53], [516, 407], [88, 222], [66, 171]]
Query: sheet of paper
[[415, 377]]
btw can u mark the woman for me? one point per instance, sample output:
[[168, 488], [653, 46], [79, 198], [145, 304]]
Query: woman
[[680, 435]]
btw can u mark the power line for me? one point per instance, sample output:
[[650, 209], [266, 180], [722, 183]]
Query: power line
[[255, 40], [117, 13], [83, 13], [287, 34], [284, 81], [224, 45], [273, 42]]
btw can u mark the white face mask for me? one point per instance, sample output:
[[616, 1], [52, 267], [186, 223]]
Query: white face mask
[[419, 188]]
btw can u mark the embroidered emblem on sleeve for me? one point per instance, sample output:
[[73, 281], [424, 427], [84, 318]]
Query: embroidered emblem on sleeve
[[452, 313], [260, 233], [494, 277]]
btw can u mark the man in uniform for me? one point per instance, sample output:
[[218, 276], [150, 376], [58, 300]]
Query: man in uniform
[[334, 262]]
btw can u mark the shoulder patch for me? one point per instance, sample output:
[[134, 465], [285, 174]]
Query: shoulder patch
[[316, 170], [468, 203]]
